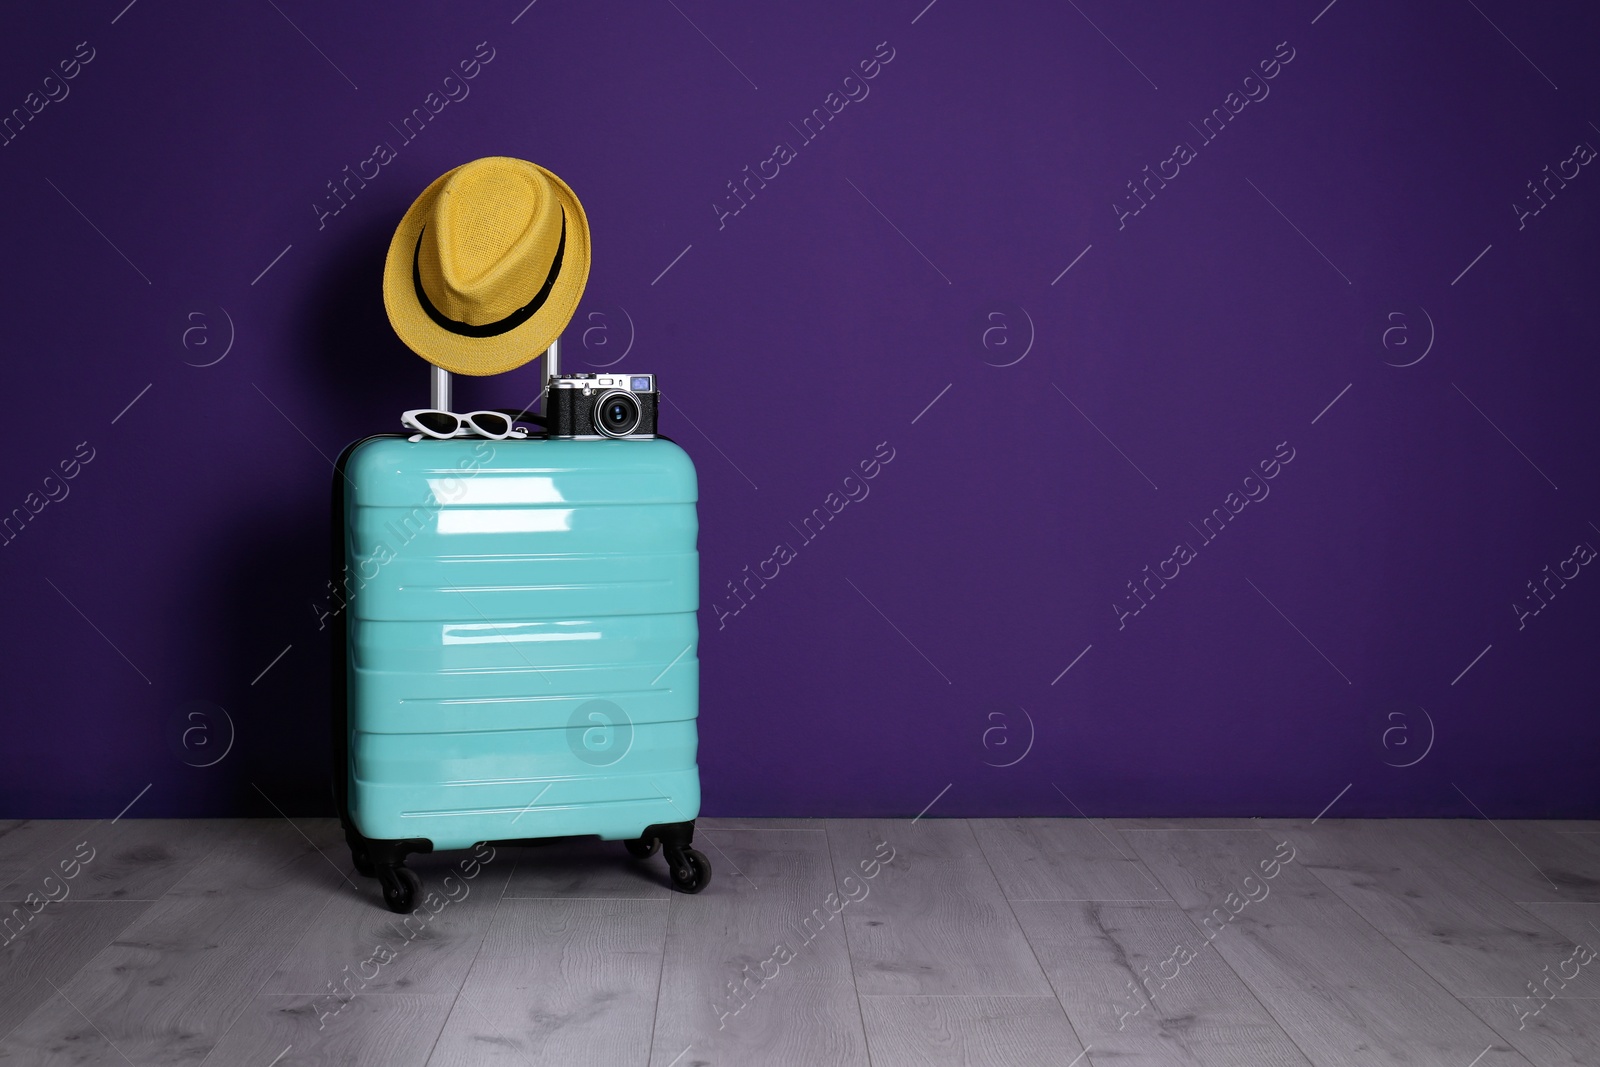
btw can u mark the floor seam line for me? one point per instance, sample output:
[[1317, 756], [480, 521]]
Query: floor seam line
[[1055, 994], [849, 956], [1243, 983], [466, 975]]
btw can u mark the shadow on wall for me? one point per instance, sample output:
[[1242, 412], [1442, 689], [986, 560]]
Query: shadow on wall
[[357, 377], [274, 659], [352, 361]]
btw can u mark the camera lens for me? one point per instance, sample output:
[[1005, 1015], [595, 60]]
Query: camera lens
[[617, 414]]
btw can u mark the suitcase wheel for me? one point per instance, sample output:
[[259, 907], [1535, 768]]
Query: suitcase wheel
[[642, 848], [400, 885], [689, 868], [360, 855], [362, 861]]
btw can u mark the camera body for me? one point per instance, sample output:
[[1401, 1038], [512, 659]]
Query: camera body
[[593, 407]]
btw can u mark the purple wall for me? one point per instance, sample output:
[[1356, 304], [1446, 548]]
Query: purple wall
[[1070, 379]]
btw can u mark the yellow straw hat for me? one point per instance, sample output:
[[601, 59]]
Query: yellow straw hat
[[486, 268]]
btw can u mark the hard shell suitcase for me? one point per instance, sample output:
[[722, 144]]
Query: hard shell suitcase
[[520, 654]]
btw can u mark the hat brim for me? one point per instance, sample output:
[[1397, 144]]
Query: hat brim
[[483, 355]]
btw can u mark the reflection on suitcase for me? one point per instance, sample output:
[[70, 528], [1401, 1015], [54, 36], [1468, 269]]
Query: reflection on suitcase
[[520, 655]]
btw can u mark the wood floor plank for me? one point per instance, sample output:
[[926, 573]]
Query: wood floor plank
[[261, 886], [354, 944], [1341, 991], [1360, 844], [1565, 1033], [1150, 823], [1511, 857], [173, 982], [1520, 860], [585, 869], [1472, 940], [1062, 859], [1532, 861], [131, 859], [147, 1006], [969, 1032], [24, 843], [1572, 971], [392, 1029], [1367, 1034], [1115, 969], [732, 822], [756, 967], [1203, 868], [558, 982], [934, 921], [50, 945], [1579, 924]]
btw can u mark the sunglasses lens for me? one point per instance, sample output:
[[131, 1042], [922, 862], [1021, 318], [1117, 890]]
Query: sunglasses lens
[[490, 423], [437, 422]]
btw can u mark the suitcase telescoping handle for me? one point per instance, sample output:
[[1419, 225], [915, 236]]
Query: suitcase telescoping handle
[[439, 379], [439, 389], [552, 357]]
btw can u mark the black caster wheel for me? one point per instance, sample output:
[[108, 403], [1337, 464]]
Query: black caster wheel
[[642, 848], [400, 886], [690, 870], [359, 856], [363, 862]]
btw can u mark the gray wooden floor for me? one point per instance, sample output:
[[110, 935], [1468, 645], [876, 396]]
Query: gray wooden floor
[[1007, 941]]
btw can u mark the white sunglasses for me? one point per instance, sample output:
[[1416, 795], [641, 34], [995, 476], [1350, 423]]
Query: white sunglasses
[[442, 425]]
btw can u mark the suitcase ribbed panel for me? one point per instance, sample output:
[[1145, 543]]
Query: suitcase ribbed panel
[[522, 638]]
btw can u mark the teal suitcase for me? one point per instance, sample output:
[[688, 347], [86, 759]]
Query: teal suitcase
[[518, 658]]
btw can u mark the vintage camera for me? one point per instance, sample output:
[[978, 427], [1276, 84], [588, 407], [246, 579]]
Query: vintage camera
[[596, 406]]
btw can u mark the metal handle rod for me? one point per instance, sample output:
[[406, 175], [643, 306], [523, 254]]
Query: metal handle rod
[[552, 358], [439, 389]]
